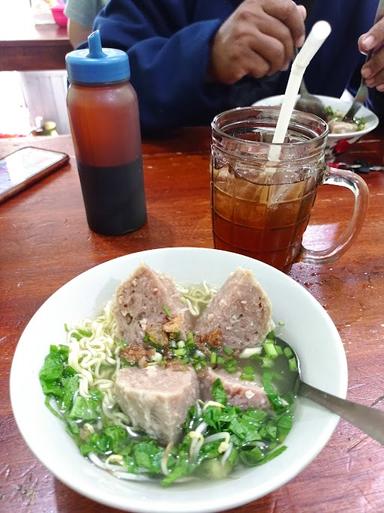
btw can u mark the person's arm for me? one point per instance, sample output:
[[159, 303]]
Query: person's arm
[[170, 57], [81, 15], [77, 33]]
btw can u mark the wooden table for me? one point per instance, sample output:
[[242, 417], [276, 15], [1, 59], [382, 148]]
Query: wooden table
[[44, 48], [28, 47], [45, 242]]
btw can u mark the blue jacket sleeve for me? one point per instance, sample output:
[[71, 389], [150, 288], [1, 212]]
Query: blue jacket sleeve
[[169, 61]]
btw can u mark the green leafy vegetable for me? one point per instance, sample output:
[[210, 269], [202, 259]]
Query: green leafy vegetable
[[226, 434], [183, 467], [218, 392], [147, 455], [256, 456], [58, 380], [87, 408]]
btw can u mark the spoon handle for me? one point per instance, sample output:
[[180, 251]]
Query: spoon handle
[[369, 420]]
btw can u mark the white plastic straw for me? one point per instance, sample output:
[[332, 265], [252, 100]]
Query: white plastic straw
[[319, 33]]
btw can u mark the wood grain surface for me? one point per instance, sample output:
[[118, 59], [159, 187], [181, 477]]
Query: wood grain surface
[[32, 47], [45, 242]]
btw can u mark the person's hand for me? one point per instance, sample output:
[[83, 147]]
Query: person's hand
[[258, 39], [373, 69]]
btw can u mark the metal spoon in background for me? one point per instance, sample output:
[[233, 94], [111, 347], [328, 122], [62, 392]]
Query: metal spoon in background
[[359, 100], [307, 102], [367, 419]]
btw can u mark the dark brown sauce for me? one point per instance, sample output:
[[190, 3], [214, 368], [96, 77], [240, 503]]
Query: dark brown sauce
[[114, 197]]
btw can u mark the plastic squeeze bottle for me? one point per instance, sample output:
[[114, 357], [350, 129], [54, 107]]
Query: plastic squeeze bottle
[[104, 119]]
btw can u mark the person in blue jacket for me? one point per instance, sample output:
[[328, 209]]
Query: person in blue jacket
[[191, 59]]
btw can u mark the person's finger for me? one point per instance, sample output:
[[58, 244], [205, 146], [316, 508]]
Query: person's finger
[[229, 69], [303, 11], [270, 49], [373, 68], [275, 28], [377, 80], [287, 12], [257, 66], [372, 39]]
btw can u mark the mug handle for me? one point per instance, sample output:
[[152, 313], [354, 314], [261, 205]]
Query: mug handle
[[358, 187]]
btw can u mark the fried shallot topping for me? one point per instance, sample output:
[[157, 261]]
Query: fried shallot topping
[[137, 353], [173, 325], [212, 339]]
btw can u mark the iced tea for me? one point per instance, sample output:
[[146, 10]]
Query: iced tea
[[263, 193], [251, 219]]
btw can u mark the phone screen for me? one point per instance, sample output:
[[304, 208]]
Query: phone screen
[[25, 166]]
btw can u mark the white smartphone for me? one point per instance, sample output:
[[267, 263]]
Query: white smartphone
[[26, 166]]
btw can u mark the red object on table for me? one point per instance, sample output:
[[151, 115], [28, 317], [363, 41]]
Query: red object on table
[[58, 15]]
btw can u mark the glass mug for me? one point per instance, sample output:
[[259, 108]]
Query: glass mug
[[262, 193]]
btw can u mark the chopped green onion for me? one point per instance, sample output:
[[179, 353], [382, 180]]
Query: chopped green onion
[[190, 340], [199, 365], [248, 373], [292, 364], [266, 362], [220, 360], [230, 365], [80, 333], [180, 352], [213, 358], [279, 349], [228, 350], [288, 352], [270, 349]]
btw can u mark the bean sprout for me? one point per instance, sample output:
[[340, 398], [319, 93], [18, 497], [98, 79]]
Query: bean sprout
[[197, 440], [227, 453], [164, 459]]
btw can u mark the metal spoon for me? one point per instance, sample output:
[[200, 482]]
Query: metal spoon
[[367, 419], [307, 102], [359, 100], [362, 93]]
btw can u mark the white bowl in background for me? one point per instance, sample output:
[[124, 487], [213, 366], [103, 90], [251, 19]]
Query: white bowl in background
[[307, 327], [338, 105]]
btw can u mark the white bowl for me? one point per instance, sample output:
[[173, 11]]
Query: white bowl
[[338, 105], [308, 328]]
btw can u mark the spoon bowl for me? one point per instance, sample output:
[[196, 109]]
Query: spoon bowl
[[367, 419], [308, 102]]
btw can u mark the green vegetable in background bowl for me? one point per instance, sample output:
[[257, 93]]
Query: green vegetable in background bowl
[[337, 126]]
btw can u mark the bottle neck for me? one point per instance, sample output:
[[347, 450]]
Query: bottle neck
[[99, 84]]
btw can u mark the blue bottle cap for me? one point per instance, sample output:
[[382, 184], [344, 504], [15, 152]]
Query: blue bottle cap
[[97, 65]]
